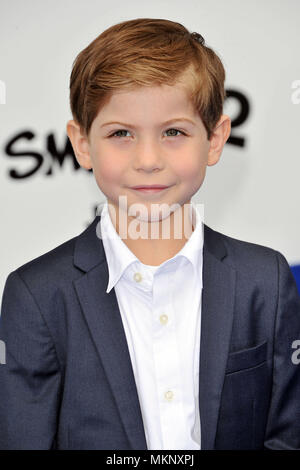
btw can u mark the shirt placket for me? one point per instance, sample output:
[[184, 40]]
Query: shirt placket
[[167, 364]]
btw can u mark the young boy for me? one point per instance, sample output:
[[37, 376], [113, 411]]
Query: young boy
[[130, 336]]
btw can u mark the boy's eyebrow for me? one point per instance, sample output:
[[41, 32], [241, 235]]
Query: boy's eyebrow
[[163, 123]]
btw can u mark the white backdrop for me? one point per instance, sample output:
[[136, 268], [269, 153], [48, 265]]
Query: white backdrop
[[251, 194]]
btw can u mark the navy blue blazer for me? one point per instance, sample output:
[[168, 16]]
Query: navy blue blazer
[[68, 381]]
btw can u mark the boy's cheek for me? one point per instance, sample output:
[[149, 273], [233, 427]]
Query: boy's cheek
[[193, 170], [107, 179], [108, 173]]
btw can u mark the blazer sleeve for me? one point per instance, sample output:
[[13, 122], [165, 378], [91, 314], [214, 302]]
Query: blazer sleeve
[[283, 425], [30, 378]]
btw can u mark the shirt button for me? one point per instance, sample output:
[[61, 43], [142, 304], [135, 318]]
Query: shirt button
[[163, 319], [137, 277], [169, 395]]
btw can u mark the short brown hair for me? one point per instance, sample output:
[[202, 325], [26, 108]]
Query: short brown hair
[[146, 52]]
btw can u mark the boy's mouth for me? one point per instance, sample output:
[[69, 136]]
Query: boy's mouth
[[150, 189]]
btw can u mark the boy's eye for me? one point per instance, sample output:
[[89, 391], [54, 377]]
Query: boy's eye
[[176, 130], [120, 130], [124, 130]]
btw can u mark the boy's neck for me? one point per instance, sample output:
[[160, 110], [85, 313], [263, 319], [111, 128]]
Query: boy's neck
[[154, 251]]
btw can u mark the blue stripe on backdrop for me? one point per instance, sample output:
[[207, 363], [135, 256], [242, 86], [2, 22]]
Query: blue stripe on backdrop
[[296, 272]]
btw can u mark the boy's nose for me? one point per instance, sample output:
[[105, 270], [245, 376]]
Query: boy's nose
[[148, 157]]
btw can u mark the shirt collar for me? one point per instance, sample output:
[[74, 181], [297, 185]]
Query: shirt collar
[[120, 257]]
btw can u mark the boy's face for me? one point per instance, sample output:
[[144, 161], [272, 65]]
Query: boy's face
[[145, 149]]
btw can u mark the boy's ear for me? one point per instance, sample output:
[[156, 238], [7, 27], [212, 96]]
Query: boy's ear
[[218, 139], [80, 144]]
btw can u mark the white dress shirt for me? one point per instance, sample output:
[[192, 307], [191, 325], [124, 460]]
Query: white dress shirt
[[160, 308]]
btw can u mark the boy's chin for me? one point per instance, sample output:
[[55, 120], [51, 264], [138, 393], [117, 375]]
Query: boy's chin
[[152, 212]]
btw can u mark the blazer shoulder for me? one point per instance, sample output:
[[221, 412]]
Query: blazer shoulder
[[52, 265], [245, 255]]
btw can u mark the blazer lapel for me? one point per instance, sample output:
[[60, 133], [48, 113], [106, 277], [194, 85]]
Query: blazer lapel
[[216, 323], [106, 328]]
